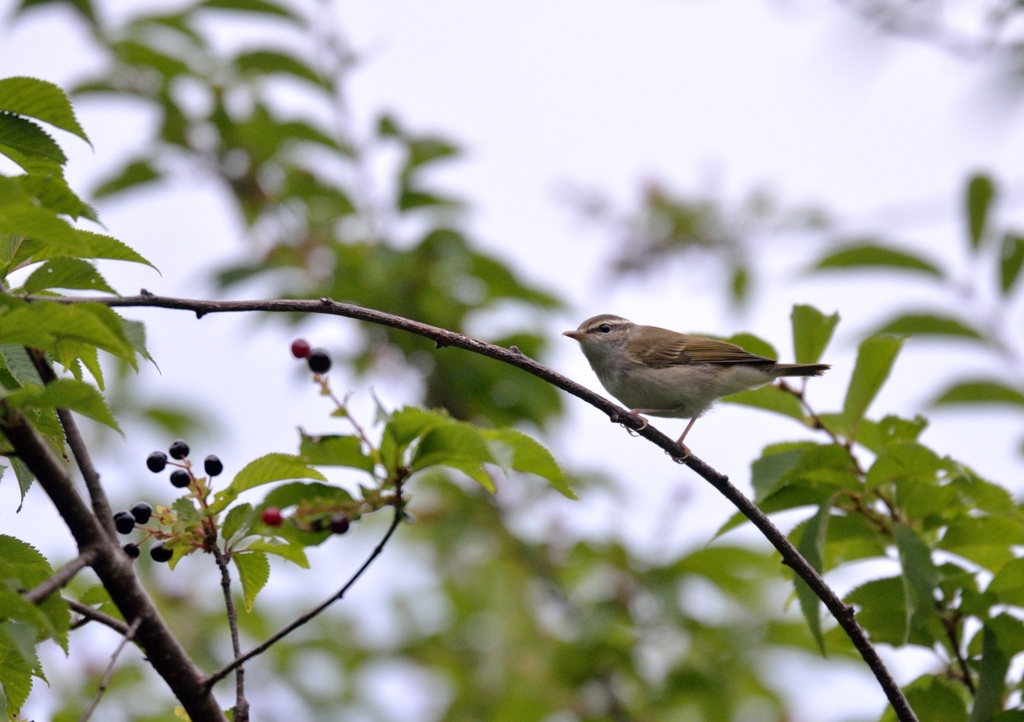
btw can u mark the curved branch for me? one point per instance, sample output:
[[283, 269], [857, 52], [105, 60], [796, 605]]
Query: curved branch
[[65, 574], [843, 613]]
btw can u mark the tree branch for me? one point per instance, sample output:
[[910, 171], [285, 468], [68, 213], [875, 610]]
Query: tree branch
[[98, 496], [105, 682], [241, 703], [95, 615], [843, 613], [64, 575], [113, 567], [298, 622]]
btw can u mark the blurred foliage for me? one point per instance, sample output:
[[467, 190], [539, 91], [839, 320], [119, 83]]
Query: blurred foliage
[[320, 220]]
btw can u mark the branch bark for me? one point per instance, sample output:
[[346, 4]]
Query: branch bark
[[114, 569], [95, 615], [843, 613], [63, 575]]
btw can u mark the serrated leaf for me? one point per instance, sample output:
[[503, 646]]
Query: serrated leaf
[[253, 572], [40, 100], [66, 394], [877, 435], [980, 391], [65, 272], [933, 698], [812, 330], [981, 191], [902, 462], [135, 332], [872, 256], [40, 224], [334, 450], [458, 446], [239, 519], [985, 540], [15, 673], [875, 358], [527, 456], [28, 139], [770, 398], [1008, 583], [912, 324], [186, 511], [292, 552], [812, 547], [264, 470], [20, 365], [24, 475]]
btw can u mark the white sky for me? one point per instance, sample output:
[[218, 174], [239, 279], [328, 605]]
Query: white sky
[[600, 93]]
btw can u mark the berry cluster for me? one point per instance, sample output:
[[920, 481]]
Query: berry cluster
[[319, 360], [337, 523], [141, 512]]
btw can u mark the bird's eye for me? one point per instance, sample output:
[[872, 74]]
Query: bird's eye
[[604, 328]]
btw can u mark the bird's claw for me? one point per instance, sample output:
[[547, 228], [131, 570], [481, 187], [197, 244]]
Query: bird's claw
[[644, 423]]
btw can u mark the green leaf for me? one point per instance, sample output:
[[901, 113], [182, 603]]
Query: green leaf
[[23, 562], [985, 540], [239, 519], [920, 578], [980, 194], [264, 470], [29, 140], [186, 511], [40, 100], [263, 7], [20, 365], [812, 330], [64, 272], [902, 462], [1011, 257], [524, 454], [24, 475], [265, 62], [15, 673], [767, 472], [770, 398], [981, 391], [1008, 583], [42, 225], [874, 362], [877, 435], [253, 571], [872, 255], [66, 394], [933, 698], [928, 325], [991, 680], [291, 552], [458, 446], [134, 174], [812, 547], [334, 450]]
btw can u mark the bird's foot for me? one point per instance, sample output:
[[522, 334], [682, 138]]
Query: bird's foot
[[686, 453], [644, 423]]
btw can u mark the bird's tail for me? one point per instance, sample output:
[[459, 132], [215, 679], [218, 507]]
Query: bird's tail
[[800, 369]]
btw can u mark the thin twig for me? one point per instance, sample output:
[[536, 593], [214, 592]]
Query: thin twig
[[241, 703], [95, 615], [288, 629], [843, 613], [64, 575], [97, 495], [110, 671], [965, 671]]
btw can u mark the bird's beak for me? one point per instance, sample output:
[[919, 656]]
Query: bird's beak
[[574, 335]]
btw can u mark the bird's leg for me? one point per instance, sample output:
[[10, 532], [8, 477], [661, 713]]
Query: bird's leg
[[686, 449]]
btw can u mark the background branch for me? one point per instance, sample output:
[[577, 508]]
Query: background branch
[[96, 615], [843, 613], [105, 682], [241, 703]]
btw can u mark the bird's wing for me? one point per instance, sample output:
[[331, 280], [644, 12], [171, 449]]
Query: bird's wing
[[681, 349]]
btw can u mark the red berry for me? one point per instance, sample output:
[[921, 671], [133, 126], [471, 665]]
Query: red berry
[[300, 348], [272, 516]]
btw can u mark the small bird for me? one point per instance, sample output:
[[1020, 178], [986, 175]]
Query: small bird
[[659, 372]]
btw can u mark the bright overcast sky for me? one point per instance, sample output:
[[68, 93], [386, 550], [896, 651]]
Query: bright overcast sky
[[603, 94]]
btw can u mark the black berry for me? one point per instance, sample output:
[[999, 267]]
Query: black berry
[[156, 461], [131, 550], [213, 465], [339, 524], [319, 361], [180, 478], [141, 511], [300, 348], [179, 450], [160, 553], [124, 521]]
